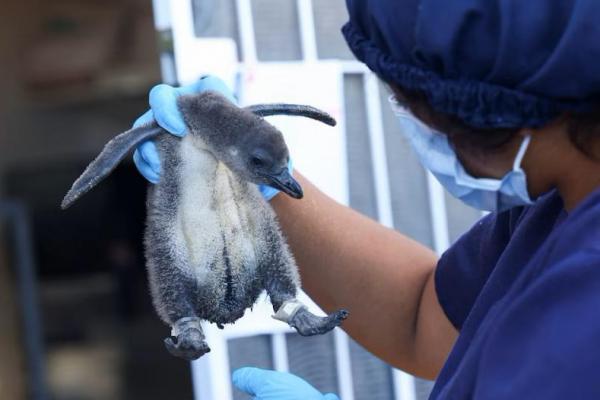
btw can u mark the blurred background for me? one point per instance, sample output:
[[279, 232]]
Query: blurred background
[[76, 316]]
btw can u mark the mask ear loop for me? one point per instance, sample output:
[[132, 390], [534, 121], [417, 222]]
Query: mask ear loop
[[397, 107], [521, 152]]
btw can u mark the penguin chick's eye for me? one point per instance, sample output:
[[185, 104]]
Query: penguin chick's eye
[[257, 161]]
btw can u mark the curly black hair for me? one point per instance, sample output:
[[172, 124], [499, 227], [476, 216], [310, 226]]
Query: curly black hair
[[583, 128]]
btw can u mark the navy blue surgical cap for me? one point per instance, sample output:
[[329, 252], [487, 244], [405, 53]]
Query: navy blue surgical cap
[[491, 63]]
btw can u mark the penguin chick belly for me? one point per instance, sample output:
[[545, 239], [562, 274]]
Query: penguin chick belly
[[242, 285], [219, 250], [197, 225]]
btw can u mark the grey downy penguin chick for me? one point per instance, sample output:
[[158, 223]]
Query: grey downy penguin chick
[[212, 242]]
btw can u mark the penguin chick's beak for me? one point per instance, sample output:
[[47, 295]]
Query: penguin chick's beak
[[286, 183]]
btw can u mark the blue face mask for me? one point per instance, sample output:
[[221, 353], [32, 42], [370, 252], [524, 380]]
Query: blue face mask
[[436, 155]]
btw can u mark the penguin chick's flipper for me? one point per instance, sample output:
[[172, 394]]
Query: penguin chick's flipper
[[306, 323], [113, 152], [187, 339], [265, 110]]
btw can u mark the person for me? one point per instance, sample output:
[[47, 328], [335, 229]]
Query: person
[[500, 101]]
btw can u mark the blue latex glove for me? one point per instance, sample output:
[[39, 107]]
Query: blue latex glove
[[264, 384], [163, 109]]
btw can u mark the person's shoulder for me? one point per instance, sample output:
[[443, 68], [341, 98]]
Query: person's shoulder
[[568, 263], [589, 207], [572, 260], [581, 228], [563, 277]]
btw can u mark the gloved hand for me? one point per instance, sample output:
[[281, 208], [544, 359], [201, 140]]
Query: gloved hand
[[163, 109], [264, 384]]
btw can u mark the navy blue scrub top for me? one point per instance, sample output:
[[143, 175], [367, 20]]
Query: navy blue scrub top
[[523, 289]]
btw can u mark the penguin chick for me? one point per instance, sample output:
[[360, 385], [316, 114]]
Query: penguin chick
[[249, 146], [212, 243]]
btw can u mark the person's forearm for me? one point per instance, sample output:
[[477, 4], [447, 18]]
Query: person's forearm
[[347, 260]]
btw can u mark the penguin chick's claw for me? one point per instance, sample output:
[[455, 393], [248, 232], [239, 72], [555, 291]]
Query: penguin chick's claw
[[306, 323], [189, 346], [187, 340]]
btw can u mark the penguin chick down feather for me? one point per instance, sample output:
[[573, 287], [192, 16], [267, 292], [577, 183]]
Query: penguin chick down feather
[[212, 243]]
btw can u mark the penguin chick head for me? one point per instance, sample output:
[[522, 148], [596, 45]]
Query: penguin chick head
[[251, 147]]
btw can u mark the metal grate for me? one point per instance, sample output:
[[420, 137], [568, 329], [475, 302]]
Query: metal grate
[[216, 19], [372, 378], [460, 217], [408, 187], [360, 164], [249, 351], [313, 358], [423, 388], [329, 17], [276, 30], [213, 18]]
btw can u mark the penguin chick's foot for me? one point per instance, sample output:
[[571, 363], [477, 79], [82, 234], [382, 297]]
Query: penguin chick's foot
[[187, 339], [306, 323]]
